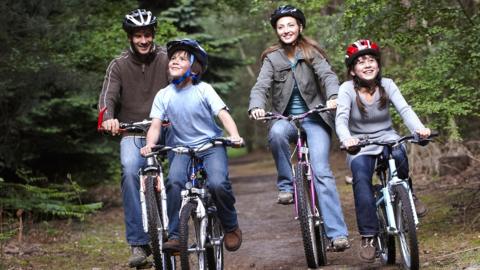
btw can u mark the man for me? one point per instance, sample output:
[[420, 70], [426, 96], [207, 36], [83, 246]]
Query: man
[[129, 87]]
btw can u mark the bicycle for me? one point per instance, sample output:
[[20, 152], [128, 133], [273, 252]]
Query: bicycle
[[200, 231], [307, 209], [153, 197], [395, 207]]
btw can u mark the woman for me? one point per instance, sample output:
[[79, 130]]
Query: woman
[[297, 75], [363, 108]]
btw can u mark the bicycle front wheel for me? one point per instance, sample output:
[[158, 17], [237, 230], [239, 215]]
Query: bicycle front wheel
[[386, 242], [407, 232], [214, 245], [192, 239], [154, 223], [311, 227]]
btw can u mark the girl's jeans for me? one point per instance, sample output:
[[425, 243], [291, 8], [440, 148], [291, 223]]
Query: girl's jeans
[[281, 135]]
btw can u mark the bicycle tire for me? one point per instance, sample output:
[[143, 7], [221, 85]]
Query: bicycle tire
[[154, 222], [189, 237], [314, 253], [407, 232], [215, 243], [386, 242]]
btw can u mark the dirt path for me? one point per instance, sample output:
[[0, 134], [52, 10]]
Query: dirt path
[[272, 237]]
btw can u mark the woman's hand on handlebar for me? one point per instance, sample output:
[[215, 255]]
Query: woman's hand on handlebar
[[257, 113], [112, 126], [332, 103]]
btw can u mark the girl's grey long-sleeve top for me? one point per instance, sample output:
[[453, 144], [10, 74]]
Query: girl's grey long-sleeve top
[[377, 124]]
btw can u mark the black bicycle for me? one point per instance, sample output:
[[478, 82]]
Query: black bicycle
[[315, 241], [200, 231], [395, 207]]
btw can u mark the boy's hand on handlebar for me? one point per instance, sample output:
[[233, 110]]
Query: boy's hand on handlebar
[[332, 103], [236, 140], [257, 113], [423, 132], [147, 149], [112, 126]]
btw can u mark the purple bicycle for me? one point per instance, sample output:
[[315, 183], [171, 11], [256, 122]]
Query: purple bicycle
[[307, 209]]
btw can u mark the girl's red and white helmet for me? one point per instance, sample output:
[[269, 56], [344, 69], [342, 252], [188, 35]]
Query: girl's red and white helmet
[[359, 48]]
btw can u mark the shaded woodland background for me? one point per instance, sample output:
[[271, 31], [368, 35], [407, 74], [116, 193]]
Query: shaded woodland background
[[54, 53]]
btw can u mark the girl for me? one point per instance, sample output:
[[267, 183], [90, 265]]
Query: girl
[[363, 109], [297, 75], [191, 105]]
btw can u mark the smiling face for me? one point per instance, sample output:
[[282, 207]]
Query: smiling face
[[365, 67], [142, 40], [288, 29], [179, 64]]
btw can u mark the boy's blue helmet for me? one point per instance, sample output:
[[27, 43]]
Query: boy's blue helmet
[[193, 47]]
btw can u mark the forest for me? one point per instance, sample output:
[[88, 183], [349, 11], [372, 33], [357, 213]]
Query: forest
[[54, 55]]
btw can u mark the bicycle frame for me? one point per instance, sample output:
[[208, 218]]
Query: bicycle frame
[[387, 199]]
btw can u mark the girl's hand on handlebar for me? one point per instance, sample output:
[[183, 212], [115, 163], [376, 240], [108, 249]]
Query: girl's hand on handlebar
[[351, 142], [423, 132], [257, 113], [332, 103], [112, 126]]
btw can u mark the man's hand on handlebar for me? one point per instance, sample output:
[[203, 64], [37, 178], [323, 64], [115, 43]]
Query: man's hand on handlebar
[[236, 140], [112, 126], [257, 113]]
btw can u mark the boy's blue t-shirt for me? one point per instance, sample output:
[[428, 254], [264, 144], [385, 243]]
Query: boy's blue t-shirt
[[191, 112]]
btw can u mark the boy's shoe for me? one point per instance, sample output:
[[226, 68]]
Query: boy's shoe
[[233, 239], [285, 197], [367, 250], [420, 207], [139, 256], [172, 245], [340, 244]]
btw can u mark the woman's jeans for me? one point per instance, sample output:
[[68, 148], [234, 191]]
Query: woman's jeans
[[363, 167], [216, 166], [281, 135], [132, 162]]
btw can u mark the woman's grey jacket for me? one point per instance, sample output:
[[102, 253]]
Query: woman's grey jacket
[[316, 81]]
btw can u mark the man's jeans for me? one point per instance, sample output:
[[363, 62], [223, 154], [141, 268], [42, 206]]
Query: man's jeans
[[131, 162], [362, 168], [281, 135], [216, 166]]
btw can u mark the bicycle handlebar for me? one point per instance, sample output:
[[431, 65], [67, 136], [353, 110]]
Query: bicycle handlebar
[[273, 116], [413, 138], [185, 149]]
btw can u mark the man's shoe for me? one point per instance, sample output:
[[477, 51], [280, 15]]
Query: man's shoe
[[420, 207], [172, 245], [139, 256], [233, 239], [367, 250], [285, 197], [340, 244]]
